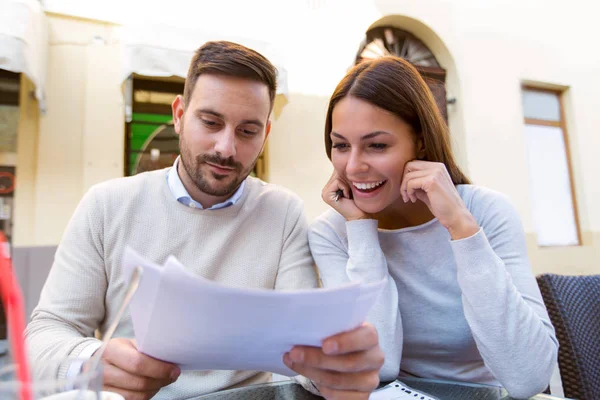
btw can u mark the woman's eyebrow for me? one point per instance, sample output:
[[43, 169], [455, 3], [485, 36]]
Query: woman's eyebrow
[[365, 137]]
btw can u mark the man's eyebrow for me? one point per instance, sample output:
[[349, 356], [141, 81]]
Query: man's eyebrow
[[219, 115], [253, 122], [208, 111]]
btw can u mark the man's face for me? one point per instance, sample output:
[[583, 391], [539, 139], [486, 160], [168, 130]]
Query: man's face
[[221, 132]]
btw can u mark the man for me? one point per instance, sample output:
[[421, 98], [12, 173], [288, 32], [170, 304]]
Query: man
[[216, 220]]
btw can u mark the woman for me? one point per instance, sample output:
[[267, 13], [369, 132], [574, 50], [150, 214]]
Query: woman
[[460, 302]]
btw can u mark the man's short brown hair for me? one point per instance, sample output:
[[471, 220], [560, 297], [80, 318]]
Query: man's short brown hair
[[230, 59]]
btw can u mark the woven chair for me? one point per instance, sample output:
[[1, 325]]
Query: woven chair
[[573, 303]]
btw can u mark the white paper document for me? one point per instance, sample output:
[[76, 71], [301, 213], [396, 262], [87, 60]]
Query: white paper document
[[183, 318]]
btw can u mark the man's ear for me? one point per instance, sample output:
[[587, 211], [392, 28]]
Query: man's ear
[[268, 129], [178, 108]]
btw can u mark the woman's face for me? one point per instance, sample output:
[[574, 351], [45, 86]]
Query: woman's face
[[370, 147]]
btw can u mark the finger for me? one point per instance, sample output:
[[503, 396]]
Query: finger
[[128, 394], [407, 177], [437, 169], [417, 165], [346, 189], [332, 394], [344, 185], [423, 183], [330, 192], [421, 195], [330, 188], [115, 376], [365, 381], [329, 183], [362, 338], [123, 354], [314, 357], [327, 188]]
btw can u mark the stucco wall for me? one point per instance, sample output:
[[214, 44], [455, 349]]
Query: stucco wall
[[488, 48]]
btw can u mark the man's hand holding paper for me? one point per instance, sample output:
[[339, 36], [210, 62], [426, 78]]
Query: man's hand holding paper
[[252, 329], [133, 374], [345, 367]]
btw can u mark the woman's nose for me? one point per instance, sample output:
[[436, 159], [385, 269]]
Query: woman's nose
[[356, 165]]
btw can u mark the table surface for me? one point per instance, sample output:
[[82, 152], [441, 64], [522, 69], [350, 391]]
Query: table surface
[[287, 390]]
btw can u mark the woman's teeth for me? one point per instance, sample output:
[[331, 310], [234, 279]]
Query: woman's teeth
[[366, 186]]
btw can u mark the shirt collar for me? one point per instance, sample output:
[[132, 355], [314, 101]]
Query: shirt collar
[[181, 195]]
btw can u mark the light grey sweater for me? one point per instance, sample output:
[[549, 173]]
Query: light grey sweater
[[466, 310], [259, 242]]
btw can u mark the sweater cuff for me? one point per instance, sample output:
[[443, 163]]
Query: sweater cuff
[[367, 262], [363, 236], [85, 354], [474, 252], [77, 353]]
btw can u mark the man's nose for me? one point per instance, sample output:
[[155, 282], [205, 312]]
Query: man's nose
[[225, 143]]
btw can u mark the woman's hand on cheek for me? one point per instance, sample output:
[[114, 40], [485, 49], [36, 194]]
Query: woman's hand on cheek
[[343, 204], [430, 183]]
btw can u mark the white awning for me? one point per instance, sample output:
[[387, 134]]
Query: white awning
[[162, 51], [24, 41]]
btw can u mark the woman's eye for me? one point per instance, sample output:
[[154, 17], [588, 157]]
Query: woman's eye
[[378, 146], [340, 146]]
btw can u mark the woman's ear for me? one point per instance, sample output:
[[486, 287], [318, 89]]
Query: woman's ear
[[420, 149]]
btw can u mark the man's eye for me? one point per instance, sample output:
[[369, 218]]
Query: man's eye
[[209, 123]]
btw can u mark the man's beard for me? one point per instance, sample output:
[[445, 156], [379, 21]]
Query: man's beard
[[193, 167]]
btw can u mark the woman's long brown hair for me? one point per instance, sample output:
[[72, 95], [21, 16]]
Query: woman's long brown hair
[[393, 84]]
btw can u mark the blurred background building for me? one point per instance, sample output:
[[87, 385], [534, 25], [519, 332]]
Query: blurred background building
[[85, 92]]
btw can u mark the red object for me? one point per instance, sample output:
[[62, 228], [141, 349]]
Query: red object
[[12, 298]]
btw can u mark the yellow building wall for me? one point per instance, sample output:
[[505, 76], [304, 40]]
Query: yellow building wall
[[26, 163], [80, 140], [488, 49]]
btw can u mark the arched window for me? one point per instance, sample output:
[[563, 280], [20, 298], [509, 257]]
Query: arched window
[[159, 150], [388, 40]]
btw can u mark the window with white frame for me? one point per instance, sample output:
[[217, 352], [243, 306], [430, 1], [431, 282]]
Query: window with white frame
[[550, 178]]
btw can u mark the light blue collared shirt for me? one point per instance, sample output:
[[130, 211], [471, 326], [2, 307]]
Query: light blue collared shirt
[[181, 195]]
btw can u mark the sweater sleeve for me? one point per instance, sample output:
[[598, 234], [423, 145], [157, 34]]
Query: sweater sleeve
[[296, 267], [363, 260], [502, 302], [71, 305]]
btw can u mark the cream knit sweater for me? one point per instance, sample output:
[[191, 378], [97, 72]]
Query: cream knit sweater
[[259, 242]]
